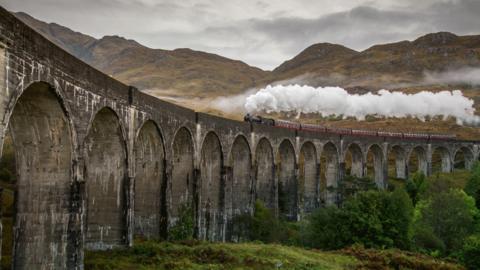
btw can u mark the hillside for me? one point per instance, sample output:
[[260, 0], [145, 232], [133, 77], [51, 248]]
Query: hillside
[[200, 255], [392, 65], [164, 72]]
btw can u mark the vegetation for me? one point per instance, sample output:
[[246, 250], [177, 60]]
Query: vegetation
[[201, 255]]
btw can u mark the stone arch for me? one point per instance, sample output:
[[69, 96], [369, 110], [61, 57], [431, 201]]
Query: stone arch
[[287, 181], [329, 172], [463, 158], [240, 162], [417, 160], [375, 158], [239, 188], [354, 162], [43, 144], [105, 175], [182, 187], [264, 174], [211, 196], [149, 189], [441, 160], [397, 159], [308, 175]]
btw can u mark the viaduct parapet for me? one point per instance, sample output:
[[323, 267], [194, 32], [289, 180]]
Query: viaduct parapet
[[99, 162]]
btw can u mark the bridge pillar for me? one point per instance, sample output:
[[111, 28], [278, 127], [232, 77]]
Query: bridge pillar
[[428, 169]]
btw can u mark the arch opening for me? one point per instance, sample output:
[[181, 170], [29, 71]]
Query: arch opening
[[287, 182], [375, 165], [40, 154], [397, 163], [329, 173], [211, 197], [149, 206], [463, 158], [441, 160], [264, 172], [309, 183], [417, 161], [239, 188], [106, 185], [181, 201], [354, 164]]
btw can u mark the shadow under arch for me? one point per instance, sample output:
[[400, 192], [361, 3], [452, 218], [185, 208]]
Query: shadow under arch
[[463, 158], [150, 214], [417, 161], [211, 193], [441, 161], [182, 183], [238, 188], [375, 165], [287, 181], [308, 178], [397, 162], [264, 174], [106, 182], [354, 161], [329, 173], [43, 143]]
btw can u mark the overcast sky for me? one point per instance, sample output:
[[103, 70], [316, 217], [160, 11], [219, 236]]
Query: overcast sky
[[259, 32]]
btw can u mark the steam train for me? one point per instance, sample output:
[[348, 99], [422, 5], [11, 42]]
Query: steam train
[[344, 131]]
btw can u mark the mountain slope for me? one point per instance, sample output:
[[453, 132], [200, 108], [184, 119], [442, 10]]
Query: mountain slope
[[387, 65], [179, 72]]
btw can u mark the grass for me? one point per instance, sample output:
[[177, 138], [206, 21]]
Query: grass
[[201, 255]]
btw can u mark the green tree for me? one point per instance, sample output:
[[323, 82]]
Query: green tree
[[472, 187], [372, 218], [416, 186], [471, 252], [449, 216]]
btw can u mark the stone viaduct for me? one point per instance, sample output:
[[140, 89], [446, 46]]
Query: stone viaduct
[[99, 162]]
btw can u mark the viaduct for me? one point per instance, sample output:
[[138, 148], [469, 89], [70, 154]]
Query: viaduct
[[99, 162]]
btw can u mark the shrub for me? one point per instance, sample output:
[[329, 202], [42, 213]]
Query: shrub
[[449, 215], [471, 252], [372, 218], [426, 241], [416, 186], [472, 187], [264, 226], [183, 228]]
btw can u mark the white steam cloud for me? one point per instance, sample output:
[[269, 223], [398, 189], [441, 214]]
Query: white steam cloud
[[337, 101]]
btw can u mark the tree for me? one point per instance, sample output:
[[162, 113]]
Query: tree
[[472, 187], [449, 215], [372, 218], [416, 186]]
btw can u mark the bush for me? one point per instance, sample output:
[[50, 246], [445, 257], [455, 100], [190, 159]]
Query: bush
[[416, 186], [264, 226], [472, 187], [372, 218], [426, 241], [471, 252], [450, 216], [183, 228]]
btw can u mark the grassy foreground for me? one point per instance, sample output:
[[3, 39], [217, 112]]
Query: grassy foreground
[[201, 255]]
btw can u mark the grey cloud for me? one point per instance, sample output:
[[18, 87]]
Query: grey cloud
[[259, 32]]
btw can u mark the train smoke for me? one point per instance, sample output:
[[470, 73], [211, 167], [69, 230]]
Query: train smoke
[[337, 101]]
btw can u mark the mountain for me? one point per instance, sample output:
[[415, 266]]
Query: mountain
[[181, 72], [389, 65]]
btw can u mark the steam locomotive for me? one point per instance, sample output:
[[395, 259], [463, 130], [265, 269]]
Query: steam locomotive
[[344, 131]]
